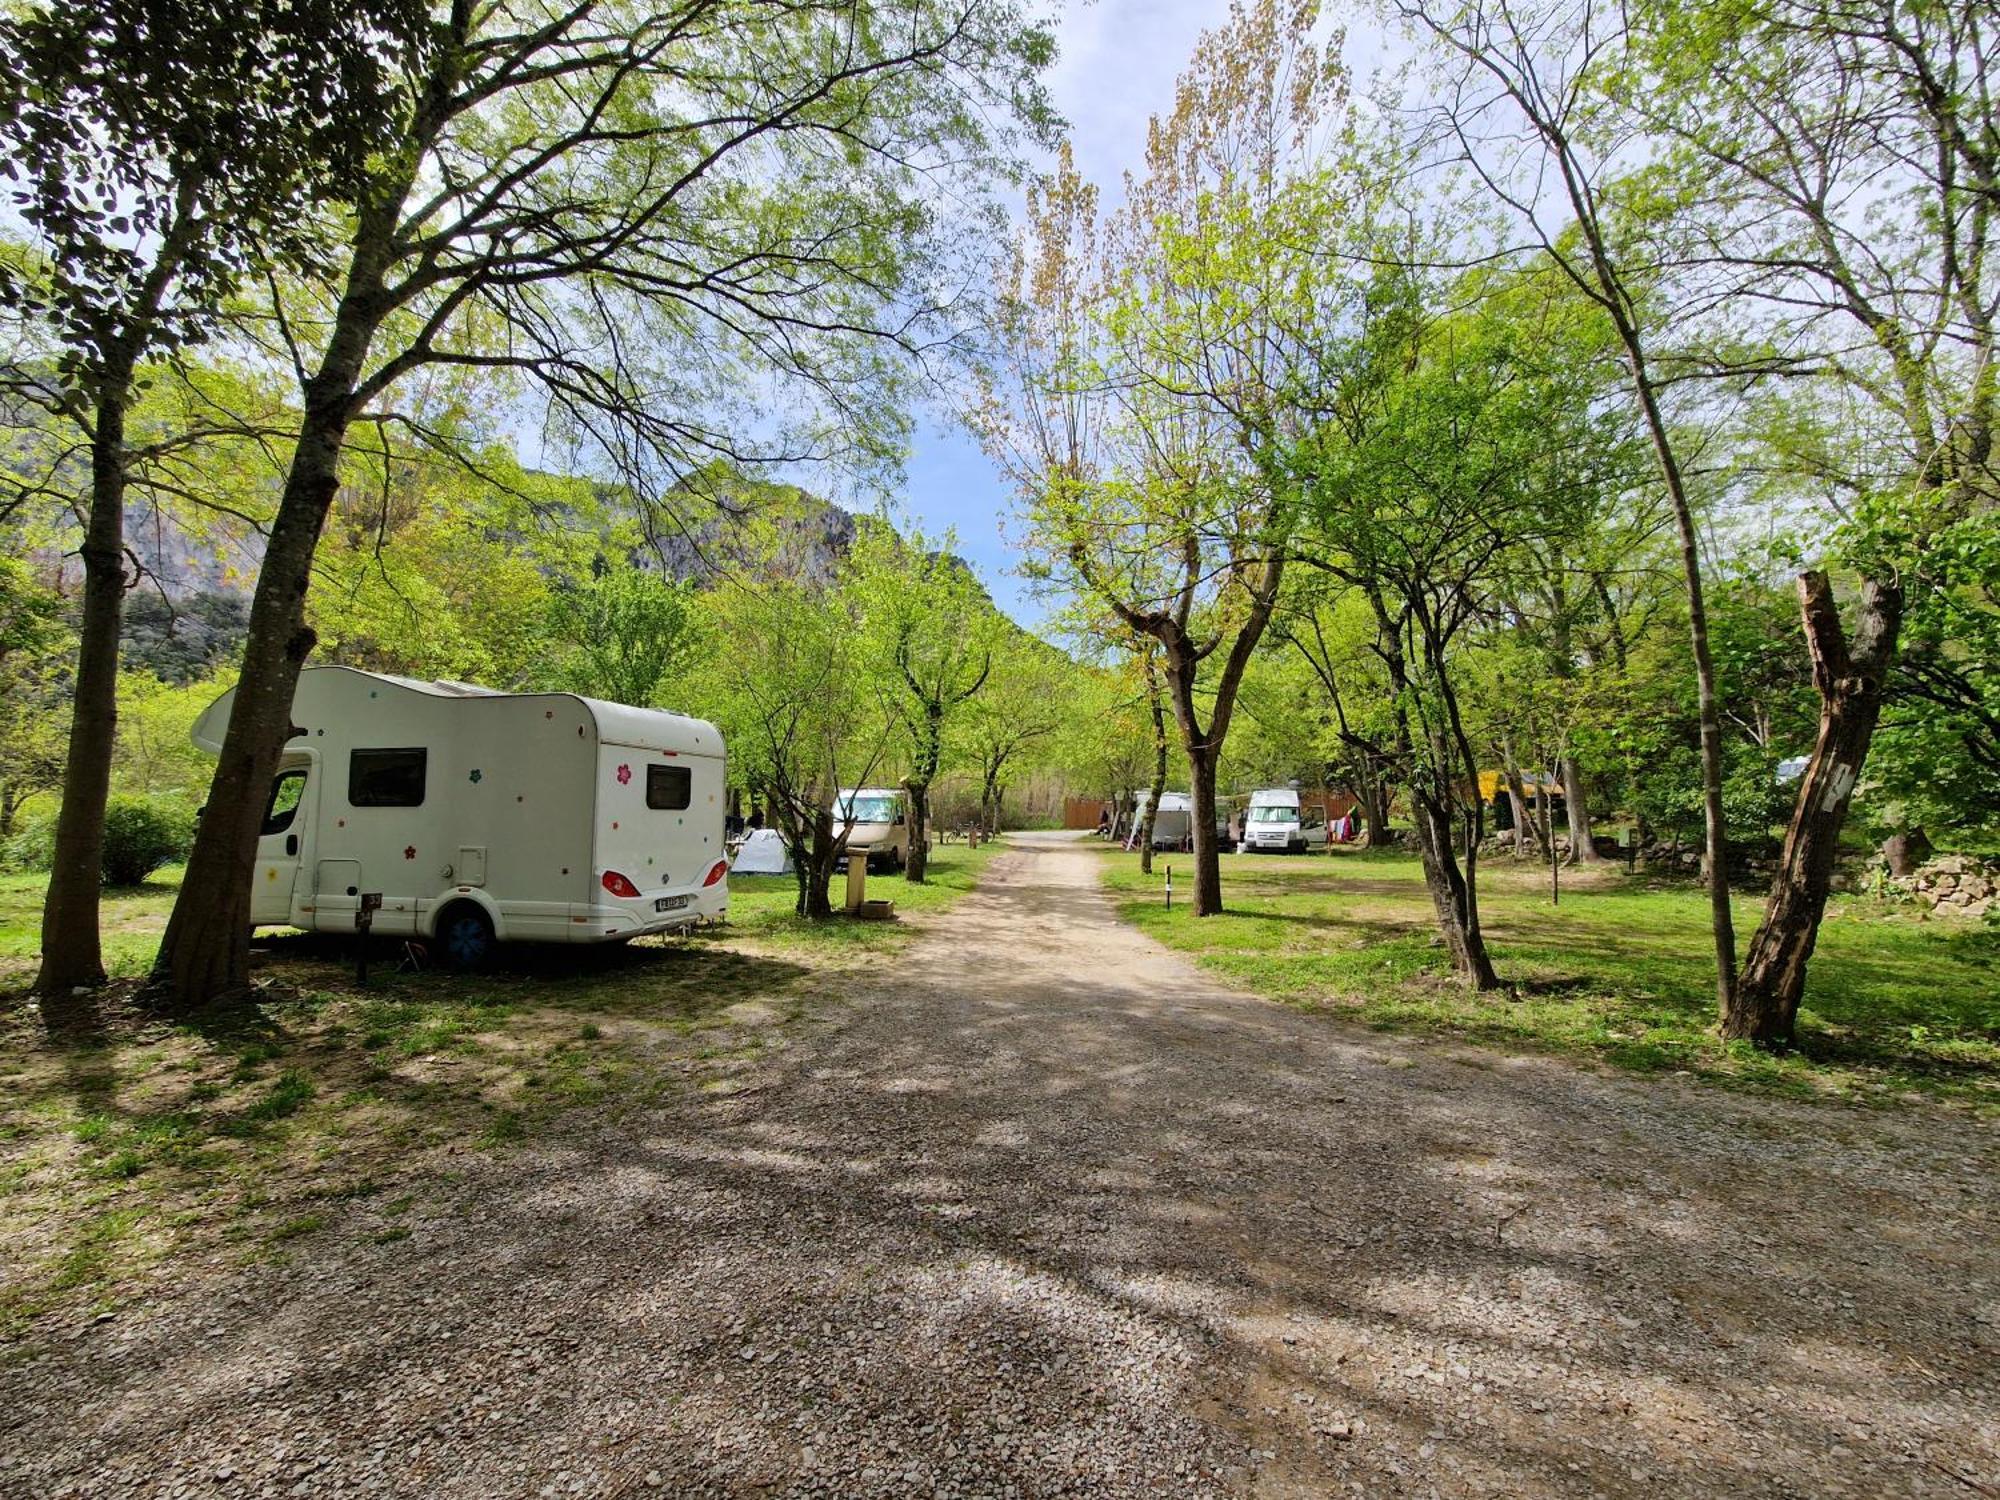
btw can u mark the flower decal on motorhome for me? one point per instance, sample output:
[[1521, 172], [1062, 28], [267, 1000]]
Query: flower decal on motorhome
[[409, 851], [624, 775]]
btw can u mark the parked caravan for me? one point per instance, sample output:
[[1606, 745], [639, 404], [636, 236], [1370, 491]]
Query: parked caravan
[[1276, 822], [1173, 824], [483, 817], [881, 828]]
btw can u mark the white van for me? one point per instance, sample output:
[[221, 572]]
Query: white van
[[483, 817], [881, 828], [1275, 821]]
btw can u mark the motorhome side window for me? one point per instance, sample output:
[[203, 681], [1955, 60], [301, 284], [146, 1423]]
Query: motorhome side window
[[386, 778], [668, 788], [286, 789]]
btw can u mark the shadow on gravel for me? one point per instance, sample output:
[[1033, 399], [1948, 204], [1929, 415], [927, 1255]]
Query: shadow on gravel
[[1027, 1226]]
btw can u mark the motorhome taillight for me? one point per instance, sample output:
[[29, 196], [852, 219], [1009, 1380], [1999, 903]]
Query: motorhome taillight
[[618, 885], [716, 871]]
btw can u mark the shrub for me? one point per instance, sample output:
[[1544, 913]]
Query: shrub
[[140, 835]]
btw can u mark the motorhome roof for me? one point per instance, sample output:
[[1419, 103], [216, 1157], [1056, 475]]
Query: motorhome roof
[[617, 723], [1275, 796]]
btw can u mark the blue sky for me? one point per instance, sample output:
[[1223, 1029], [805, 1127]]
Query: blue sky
[[1118, 63]]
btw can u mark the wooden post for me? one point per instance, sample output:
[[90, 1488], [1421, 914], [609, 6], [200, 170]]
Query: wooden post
[[364, 921]]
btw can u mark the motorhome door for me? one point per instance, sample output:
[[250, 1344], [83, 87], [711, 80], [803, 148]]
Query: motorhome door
[[282, 843]]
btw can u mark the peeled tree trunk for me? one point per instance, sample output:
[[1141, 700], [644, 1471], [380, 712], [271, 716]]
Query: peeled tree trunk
[[1850, 679], [72, 952]]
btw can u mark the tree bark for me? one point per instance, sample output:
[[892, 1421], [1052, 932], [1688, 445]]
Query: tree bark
[[824, 847], [1904, 850], [1207, 857], [1458, 919], [1850, 683], [1159, 787], [1527, 832], [1375, 812], [72, 951], [917, 860], [205, 955], [1582, 848]]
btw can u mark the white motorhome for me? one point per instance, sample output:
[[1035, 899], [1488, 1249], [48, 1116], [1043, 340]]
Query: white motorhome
[[881, 828], [1275, 821], [481, 817]]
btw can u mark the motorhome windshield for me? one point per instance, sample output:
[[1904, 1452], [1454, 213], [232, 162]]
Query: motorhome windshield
[[868, 809], [1274, 815]]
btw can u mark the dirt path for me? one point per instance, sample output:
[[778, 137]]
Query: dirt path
[[1056, 1215]]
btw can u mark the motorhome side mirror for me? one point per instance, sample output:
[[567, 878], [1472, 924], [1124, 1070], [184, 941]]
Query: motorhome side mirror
[[900, 820]]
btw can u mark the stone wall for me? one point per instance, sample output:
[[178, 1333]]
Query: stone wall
[[1954, 884]]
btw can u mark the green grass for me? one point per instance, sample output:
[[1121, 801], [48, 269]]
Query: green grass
[[761, 906], [1620, 970], [132, 920]]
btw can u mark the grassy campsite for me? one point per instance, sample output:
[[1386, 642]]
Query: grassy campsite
[[1903, 1007], [999, 749]]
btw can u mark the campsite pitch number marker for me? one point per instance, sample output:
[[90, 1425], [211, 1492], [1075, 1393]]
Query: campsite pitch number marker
[[1170, 887]]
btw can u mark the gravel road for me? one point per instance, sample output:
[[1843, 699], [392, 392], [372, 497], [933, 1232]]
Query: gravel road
[[1057, 1215]]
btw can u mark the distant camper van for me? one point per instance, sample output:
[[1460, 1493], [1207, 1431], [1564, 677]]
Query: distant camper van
[[1274, 822], [483, 817], [881, 828]]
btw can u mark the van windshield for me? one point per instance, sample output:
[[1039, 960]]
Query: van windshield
[[1274, 815], [868, 809]]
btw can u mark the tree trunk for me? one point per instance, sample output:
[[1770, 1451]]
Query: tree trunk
[[918, 858], [818, 851], [72, 954], [1159, 788], [1375, 803], [1527, 832], [1458, 920], [1582, 848], [205, 955], [1850, 684], [1207, 858], [1904, 850]]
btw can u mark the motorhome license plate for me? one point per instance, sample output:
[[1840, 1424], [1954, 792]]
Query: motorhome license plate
[[671, 903]]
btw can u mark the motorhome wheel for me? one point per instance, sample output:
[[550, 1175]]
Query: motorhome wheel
[[465, 938]]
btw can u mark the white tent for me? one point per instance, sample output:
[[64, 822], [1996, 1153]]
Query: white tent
[[763, 853]]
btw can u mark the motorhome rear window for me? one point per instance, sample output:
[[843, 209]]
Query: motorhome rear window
[[668, 788], [386, 778]]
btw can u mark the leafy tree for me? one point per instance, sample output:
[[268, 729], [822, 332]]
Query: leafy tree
[[932, 632], [33, 683], [1154, 379], [1547, 69], [677, 226], [1936, 761], [632, 636], [1842, 161], [155, 182], [1026, 700], [798, 706]]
